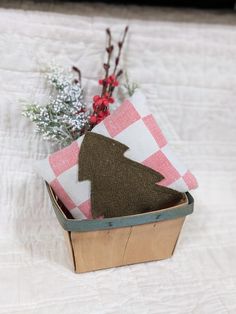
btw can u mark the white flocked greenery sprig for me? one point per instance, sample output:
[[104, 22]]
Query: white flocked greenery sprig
[[64, 117], [130, 86]]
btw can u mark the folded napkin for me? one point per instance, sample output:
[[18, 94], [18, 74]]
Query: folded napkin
[[131, 124]]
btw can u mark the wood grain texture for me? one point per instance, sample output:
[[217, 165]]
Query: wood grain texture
[[99, 249], [122, 246], [153, 241], [67, 236]]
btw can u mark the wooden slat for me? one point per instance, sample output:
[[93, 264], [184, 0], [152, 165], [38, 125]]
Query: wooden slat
[[122, 246], [99, 249], [154, 241], [183, 209], [67, 236]]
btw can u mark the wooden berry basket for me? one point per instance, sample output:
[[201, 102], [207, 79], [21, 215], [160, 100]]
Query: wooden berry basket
[[111, 242]]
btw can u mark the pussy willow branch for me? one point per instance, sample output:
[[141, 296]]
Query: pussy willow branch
[[117, 60], [106, 65], [120, 46]]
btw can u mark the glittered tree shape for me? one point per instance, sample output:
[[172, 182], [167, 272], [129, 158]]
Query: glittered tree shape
[[120, 186]]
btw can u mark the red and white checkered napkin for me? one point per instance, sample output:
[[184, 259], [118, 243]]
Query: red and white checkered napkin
[[133, 125]]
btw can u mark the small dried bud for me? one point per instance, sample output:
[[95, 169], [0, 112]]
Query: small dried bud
[[74, 68], [120, 44], [106, 66], [117, 60], [109, 49], [108, 31], [120, 72]]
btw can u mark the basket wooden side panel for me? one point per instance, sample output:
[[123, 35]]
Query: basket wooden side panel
[[101, 249], [154, 241]]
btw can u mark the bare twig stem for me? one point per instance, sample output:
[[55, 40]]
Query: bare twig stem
[[117, 60], [77, 70], [106, 65], [120, 46]]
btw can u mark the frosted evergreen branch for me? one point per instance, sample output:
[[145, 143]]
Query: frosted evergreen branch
[[64, 117]]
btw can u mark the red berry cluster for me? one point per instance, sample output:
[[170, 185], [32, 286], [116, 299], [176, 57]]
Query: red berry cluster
[[101, 108], [110, 80]]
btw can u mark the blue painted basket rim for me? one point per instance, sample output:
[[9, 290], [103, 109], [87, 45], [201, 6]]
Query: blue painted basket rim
[[76, 225]]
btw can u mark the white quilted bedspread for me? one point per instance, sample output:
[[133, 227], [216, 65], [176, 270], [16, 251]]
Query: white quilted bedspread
[[185, 61]]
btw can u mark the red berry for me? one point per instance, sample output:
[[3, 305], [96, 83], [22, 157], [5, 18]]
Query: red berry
[[100, 101], [95, 106], [93, 119], [105, 101], [101, 114], [96, 98], [111, 100]]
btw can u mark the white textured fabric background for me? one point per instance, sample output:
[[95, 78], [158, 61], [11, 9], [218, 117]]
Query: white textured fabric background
[[185, 61]]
